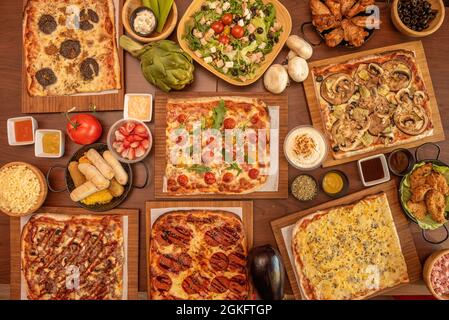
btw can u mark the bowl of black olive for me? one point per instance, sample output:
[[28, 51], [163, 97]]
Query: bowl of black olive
[[417, 18]]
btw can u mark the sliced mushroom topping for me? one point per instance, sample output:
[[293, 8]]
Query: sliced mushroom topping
[[419, 98], [46, 77], [346, 135], [378, 125], [397, 75], [391, 98], [89, 68], [47, 24], [404, 96], [70, 49], [337, 88], [375, 69], [413, 122]]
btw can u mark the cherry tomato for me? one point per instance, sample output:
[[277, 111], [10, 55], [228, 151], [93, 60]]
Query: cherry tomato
[[210, 140], [183, 180], [227, 19], [255, 119], [223, 39], [218, 27], [182, 118], [229, 123], [253, 173], [209, 178], [228, 177], [237, 31], [83, 128]]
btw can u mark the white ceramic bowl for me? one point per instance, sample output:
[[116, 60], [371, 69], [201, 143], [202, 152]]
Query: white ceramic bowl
[[384, 168], [11, 133], [126, 105], [39, 149]]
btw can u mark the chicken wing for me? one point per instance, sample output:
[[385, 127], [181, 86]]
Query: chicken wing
[[335, 37], [418, 176], [345, 5], [353, 34], [438, 182], [418, 209], [325, 22], [436, 205], [360, 6], [419, 193], [318, 8], [368, 22], [334, 7]]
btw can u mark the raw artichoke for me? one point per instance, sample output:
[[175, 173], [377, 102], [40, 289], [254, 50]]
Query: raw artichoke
[[164, 64]]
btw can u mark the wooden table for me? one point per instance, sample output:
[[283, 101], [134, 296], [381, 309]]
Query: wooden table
[[437, 50]]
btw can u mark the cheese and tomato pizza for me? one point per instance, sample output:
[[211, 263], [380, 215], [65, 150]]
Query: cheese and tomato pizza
[[247, 119], [198, 254], [348, 252], [70, 47], [373, 102], [73, 257]]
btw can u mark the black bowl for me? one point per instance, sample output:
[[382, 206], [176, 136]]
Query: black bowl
[[133, 16], [345, 188]]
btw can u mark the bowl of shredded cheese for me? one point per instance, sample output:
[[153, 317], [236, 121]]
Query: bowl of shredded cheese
[[23, 189]]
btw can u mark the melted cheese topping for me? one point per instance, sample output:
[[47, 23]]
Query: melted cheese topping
[[350, 251]]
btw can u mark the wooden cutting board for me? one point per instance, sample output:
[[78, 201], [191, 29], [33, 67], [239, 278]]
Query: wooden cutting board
[[133, 245], [313, 101], [400, 220], [247, 220], [160, 159], [103, 102]]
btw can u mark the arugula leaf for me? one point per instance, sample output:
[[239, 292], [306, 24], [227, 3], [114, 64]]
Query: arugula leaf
[[219, 114], [235, 166], [198, 168]]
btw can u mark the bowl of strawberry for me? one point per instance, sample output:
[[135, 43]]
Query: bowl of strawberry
[[130, 140]]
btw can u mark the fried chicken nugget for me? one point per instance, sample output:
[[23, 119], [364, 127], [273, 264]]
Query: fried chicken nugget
[[436, 204], [438, 182], [418, 209], [418, 176], [419, 193]]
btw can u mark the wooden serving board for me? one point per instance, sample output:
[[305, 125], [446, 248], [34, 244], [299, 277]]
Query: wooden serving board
[[247, 220], [314, 109], [103, 102], [133, 245], [400, 220], [160, 159]]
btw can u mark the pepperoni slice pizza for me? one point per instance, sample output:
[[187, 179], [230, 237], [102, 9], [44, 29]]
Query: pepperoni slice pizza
[[231, 153], [198, 254]]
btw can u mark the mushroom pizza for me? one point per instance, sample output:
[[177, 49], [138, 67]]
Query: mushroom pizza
[[374, 102], [70, 47]]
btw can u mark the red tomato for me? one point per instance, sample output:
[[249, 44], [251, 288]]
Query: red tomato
[[253, 173], [227, 19], [223, 39], [229, 123], [182, 118], [237, 31], [183, 180], [209, 178], [217, 26], [84, 128]]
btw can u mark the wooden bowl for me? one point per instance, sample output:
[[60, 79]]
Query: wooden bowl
[[434, 25], [283, 16], [170, 24], [428, 266], [43, 185]]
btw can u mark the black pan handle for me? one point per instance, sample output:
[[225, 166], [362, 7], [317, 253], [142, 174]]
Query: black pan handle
[[147, 177], [437, 147], [304, 34], [436, 242], [47, 177]]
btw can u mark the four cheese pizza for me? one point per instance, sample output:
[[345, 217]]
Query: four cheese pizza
[[70, 47], [374, 102], [73, 257], [198, 254], [233, 153], [348, 252]]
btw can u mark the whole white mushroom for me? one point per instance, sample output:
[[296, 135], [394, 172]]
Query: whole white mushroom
[[298, 69], [300, 46], [276, 79]]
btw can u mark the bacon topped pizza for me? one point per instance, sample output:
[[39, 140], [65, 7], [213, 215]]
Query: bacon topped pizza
[[232, 155], [198, 254], [70, 47], [373, 102], [67, 257]]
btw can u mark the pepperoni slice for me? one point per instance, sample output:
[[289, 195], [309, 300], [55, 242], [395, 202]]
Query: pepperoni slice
[[224, 236], [253, 173], [209, 178], [175, 263], [175, 235], [229, 123], [238, 284], [183, 180], [182, 118], [195, 284], [162, 283], [219, 284], [237, 261], [247, 107], [219, 261], [228, 177]]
